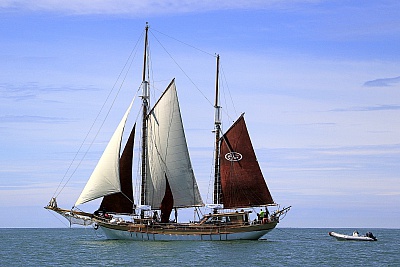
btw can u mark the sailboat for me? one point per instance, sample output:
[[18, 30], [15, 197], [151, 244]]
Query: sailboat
[[168, 182]]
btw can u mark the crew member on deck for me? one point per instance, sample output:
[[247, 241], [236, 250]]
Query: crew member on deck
[[265, 216], [155, 216], [262, 215]]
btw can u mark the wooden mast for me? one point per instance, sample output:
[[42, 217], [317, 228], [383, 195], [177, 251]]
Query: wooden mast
[[145, 98], [217, 129]]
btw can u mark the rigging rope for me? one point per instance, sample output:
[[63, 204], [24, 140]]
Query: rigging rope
[[205, 52], [229, 93], [187, 76], [130, 58], [58, 218]]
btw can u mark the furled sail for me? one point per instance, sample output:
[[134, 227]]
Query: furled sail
[[242, 182], [168, 155], [122, 202], [105, 177]]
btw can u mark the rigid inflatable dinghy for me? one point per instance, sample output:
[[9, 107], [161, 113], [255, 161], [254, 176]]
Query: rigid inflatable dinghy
[[355, 237]]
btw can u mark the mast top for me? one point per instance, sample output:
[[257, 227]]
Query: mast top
[[145, 53]]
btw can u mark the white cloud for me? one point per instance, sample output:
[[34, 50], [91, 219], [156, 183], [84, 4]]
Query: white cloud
[[31, 119], [384, 82]]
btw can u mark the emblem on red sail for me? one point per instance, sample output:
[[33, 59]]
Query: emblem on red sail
[[233, 156]]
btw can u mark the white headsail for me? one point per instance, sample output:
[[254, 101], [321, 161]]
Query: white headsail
[[168, 155], [105, 177]]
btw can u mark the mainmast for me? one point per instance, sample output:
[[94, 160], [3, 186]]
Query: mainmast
[[145, 100], [217, 130]]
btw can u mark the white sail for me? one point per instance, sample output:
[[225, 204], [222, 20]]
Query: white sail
[[105, 177], [168, 155]]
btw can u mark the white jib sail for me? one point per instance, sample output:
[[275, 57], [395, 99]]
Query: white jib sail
[[105, 177], [168, 155]]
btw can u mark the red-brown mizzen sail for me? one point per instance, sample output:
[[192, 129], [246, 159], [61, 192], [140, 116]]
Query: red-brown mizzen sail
[[122, 202], [242, 182]]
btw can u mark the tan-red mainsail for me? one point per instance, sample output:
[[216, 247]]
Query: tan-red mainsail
[[242, 182]]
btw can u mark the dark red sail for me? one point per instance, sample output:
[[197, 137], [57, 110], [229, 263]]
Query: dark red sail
[[167, 204], [242, 182], [122, 202]]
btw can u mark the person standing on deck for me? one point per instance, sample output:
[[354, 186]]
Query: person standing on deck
[[261, 215]]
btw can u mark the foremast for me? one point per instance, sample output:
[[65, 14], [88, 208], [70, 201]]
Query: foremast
[[145, 103]]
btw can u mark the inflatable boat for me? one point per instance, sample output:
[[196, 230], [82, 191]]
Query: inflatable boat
[[355, 237]]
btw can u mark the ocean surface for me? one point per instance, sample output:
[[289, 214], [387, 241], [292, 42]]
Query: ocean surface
[[282, 247]]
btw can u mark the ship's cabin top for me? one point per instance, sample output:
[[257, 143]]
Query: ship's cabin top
[[226, 218]]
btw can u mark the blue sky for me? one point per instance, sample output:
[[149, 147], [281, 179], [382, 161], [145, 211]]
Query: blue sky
[[319, 82]]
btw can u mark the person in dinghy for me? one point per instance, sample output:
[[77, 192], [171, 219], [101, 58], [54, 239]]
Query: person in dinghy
[[370, 235]]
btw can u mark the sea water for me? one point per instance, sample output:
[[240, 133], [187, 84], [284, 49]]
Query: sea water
[[281, 247]]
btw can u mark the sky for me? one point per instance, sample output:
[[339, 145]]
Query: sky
[[319, 82]]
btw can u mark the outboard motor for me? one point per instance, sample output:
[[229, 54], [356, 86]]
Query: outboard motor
[[370, 235]]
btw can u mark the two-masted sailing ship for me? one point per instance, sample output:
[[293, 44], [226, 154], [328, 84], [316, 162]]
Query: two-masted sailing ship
[[168, 182]]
